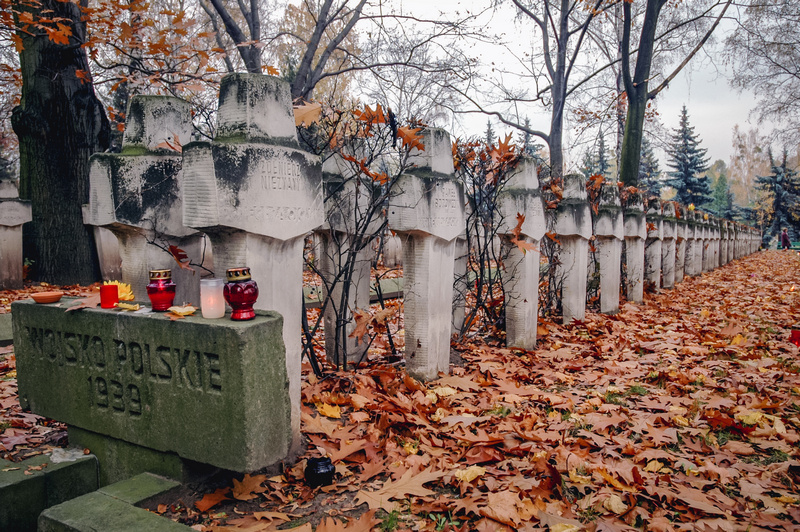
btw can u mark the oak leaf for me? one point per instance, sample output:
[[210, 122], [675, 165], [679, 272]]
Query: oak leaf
[[307, 113], [92, 301], [249, 487], [181, 258], [210, 500], [408, 484]]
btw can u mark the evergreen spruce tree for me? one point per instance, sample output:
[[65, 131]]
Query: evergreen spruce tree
[[783, 186], [529, 147], [602, 157], [588, 166], [723, 197], [490, 136], [649, 172], [688, 162]]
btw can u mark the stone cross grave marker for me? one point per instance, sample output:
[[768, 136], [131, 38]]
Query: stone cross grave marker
[[348, 207], [137, 194], [13, 213], [681, 229], [574, 228], [635, 233], [256, 194], [668, 244], [652, 249], [427, 211], [609, 233], [520, 270]]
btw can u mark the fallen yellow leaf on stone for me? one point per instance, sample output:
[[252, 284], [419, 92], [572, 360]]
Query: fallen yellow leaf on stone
[[183, 310], [127, 306]]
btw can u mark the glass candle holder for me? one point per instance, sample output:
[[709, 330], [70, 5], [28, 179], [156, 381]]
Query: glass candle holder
[[241, 292], [109, 295], [161, 289], [212, 301], [795, 336]]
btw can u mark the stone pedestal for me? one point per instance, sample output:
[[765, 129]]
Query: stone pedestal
[[609, 232], [137, 195], [681, 229], [652, 251], [158, 391], [13, 213], [257, 195], [427, 211], [635, 227], [520, 271], [574, 228], [668, 244]]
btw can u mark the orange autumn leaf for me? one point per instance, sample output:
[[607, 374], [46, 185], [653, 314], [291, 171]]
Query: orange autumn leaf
[[181, 258], [249, 487], [210, 500], [411, 137]]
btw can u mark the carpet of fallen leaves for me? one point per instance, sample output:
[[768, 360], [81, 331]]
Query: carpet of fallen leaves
[[678, 414], [681, 413]]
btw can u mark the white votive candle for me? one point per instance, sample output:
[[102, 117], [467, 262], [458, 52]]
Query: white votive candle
[[212, 302]]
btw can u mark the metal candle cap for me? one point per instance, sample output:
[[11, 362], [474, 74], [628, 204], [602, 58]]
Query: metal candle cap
[[237, 274], [160, 275]]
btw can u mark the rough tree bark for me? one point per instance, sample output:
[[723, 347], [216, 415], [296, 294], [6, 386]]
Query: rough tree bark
[[59, 123]]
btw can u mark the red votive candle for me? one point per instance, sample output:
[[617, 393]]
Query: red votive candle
[[161, 289], [241, 292], [795, 337], [109, 295]]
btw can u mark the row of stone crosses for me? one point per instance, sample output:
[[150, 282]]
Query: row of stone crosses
[[256, 196]]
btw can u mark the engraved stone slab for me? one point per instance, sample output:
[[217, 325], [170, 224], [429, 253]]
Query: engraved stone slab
[[429, 205], [213, 392], [608, 221], [573, 215], [262, 189], [521, 195]]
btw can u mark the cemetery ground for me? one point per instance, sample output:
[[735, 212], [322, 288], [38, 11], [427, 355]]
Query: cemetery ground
[[681, 413]]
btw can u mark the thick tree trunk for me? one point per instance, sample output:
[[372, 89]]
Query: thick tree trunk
[[632, 139], [59, 123]]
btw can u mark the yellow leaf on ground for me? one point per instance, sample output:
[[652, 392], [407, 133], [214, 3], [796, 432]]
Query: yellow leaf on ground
[[471, 473], [332, 411], [615, 504]]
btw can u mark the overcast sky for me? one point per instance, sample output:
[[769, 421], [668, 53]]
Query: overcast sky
[[714, 107]]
